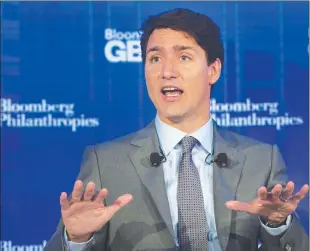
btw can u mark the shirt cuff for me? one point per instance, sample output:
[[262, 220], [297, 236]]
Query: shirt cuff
[[278, 230], [75, 246]]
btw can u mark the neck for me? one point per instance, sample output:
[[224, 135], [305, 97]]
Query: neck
[[186, 124]]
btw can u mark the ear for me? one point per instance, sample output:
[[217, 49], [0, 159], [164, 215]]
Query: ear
[[215, 71]]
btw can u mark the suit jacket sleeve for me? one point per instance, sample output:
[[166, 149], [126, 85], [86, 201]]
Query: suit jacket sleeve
[[89, 172], [295, 238]]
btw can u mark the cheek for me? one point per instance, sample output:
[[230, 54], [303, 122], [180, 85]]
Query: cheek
[[152, 72], [196, 76], [152, 76], [194, 68], [151, 83]]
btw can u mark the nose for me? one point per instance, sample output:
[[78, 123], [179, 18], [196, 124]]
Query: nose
[[169, 70]]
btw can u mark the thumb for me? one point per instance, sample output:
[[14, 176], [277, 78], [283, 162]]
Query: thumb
[[119, 203], [239, 206]]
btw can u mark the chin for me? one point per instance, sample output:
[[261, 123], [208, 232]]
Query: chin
[[175, 117]]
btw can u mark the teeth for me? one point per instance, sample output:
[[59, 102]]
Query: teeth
[[170, 89]]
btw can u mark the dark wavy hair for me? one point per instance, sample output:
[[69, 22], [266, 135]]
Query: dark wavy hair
[[202, 28]]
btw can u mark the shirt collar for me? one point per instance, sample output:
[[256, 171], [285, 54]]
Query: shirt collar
[[170, 136]]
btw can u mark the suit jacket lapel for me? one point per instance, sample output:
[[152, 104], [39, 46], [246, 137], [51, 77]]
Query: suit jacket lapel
[[152, 177], [225, 182]]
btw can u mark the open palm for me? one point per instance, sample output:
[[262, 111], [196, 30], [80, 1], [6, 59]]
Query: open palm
[[274, 206], [85, 212]]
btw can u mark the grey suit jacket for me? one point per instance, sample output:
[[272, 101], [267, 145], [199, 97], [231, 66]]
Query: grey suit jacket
[[123, 166]]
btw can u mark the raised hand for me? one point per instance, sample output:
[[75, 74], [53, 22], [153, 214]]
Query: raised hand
[[274, 206], [85, 213]]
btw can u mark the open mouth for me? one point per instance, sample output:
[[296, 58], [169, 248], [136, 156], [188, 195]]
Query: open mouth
[[171, 91]]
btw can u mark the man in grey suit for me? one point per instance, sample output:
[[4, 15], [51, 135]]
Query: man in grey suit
[[182, 183]]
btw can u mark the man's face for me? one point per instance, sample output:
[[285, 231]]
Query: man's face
[[177, 75]]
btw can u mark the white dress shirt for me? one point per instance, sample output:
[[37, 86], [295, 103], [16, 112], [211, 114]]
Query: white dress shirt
[[169, 137]]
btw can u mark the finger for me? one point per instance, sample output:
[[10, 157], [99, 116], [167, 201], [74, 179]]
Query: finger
[[77, 191], [64, 203], [241, 207], [288, 191], [262, 193], [119, 203], [103, 193], [276, 191], [302, 193], [89, 191]]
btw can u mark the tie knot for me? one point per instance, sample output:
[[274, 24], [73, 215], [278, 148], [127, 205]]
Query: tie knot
[[188, 143]]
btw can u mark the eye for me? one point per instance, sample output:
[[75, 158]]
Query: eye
[[185, 58], [154, 59]]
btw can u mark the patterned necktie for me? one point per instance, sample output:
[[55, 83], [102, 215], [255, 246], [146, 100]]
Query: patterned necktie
[[192, 226]]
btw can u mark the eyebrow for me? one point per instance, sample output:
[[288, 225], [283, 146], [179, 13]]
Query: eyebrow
[[176, 48]]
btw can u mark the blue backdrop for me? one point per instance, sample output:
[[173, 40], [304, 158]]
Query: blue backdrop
[[71, 75]]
